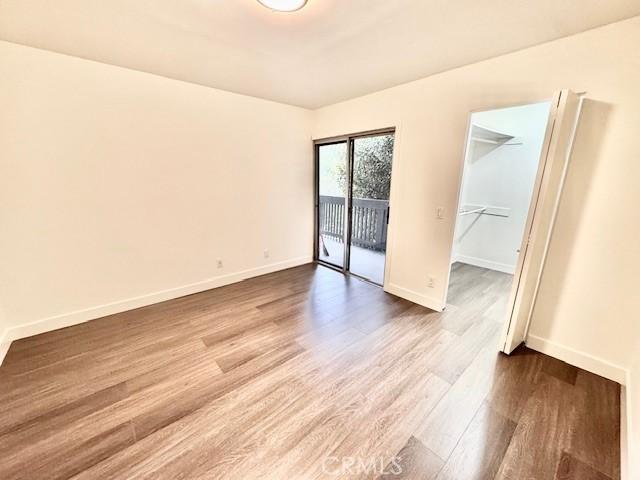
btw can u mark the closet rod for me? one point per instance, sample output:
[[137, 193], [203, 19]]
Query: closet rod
[[495, 214], [481, 211], [469, 212]]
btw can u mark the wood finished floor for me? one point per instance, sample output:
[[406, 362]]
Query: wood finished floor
[[278, 376]]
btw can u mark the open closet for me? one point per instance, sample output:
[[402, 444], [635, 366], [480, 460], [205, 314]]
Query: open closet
[[514, 168], [499, 174]]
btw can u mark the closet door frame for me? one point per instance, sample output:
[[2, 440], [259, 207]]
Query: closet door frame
[[516, 323], [554, 162], [464, 164], [350, 141]]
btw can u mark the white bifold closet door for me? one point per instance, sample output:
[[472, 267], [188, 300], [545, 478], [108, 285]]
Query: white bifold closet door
[[563, 121]]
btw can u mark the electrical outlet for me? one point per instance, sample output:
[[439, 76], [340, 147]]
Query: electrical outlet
[[266, 254], [219, 263], [431, 282]]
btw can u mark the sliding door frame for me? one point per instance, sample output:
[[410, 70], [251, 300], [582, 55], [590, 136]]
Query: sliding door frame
[[350, 142], [316, 202]]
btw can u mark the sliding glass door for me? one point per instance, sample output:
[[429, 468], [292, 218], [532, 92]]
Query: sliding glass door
[[332, 167], [352, 203], [370, 205]]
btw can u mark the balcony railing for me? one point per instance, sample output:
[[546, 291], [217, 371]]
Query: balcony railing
[[369, 221]]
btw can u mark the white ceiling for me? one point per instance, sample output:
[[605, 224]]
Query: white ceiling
[[329, 51]]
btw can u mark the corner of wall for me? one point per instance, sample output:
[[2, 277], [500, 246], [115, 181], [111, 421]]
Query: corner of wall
[[80, 316], [624, 432], [415, 297], [578, 359], [625, 428], [629, 431], [630, 420], [5, 343]]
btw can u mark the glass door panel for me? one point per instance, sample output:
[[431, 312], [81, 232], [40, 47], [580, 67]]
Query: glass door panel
[[372, 159], [332, 205]]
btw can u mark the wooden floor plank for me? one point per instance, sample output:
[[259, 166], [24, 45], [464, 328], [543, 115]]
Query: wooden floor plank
[[284, 375], [413, 462], [595, 437], [441, 430], [516, 382], [570, 468], [555, 402], [481, 449]]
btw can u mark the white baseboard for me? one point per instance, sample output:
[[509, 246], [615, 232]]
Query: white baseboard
[[415, 297], [624, 432], [80, 316], [605, 369], [578, 359], [481, 262], [630, 431]]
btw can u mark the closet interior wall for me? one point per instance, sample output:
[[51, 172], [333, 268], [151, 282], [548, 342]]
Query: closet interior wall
[[503, 154]]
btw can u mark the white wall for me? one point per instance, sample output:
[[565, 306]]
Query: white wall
[[121, 188], [586, 306], [500, 176]]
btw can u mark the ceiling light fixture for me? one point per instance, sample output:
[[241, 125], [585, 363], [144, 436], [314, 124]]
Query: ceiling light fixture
[[284, 5]]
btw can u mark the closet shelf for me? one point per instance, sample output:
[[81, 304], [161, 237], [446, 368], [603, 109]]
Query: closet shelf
[[487, 135]]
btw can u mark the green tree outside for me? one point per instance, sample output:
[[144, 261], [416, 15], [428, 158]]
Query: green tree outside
[[372, 158]]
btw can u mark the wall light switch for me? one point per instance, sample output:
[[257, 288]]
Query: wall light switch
[[439, 213]]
